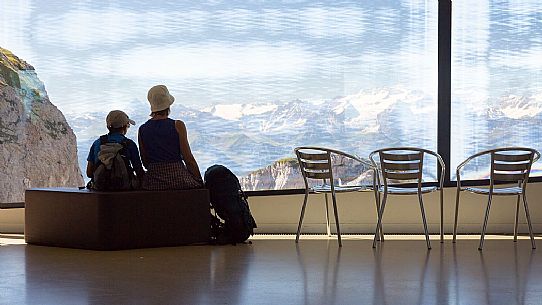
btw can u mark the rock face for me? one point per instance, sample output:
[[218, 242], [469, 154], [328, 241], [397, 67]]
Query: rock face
[[285, 174], [37, 147]]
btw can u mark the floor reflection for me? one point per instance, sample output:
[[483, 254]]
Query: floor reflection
[[180, 275], [276, 272], [506, 275], [329, 269]]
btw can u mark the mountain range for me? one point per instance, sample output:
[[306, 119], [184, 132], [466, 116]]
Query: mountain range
[[248, 138]]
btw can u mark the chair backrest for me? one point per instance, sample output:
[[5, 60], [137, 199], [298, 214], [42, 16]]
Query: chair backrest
[[512, 164], [314, 163], [401, 164], [404, 165]]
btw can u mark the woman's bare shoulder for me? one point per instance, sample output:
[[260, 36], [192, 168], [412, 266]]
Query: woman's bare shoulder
[[180, 127], [180, 123]]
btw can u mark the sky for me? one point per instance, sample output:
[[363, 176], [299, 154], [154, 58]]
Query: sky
[[101, 53], [95, 56]]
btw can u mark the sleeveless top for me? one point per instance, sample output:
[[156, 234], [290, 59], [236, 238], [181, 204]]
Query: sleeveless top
[[161, 141]]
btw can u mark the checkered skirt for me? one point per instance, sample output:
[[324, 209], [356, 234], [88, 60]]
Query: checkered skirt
[[169, 176]]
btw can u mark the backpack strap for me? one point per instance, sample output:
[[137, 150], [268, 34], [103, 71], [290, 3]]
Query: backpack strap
[[125, 151], [104, 139]]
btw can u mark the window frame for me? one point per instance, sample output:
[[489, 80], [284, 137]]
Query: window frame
[[444, 104]]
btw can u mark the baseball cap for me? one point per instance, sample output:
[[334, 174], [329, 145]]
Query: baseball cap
[[118, 119]]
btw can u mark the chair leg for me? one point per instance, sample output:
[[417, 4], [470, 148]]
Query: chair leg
[[456, 213], [441, 216], [485, 222], [424, 222], [302, 215], [516, 220], [528, 216], [336, 218], [328, 228], [379, 220], [376, 190], [379, 233]]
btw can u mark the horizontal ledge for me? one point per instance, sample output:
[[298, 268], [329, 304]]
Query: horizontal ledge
[[11, 205]]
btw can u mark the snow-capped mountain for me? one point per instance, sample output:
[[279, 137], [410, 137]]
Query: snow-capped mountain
[[234, 112], [521, 107]]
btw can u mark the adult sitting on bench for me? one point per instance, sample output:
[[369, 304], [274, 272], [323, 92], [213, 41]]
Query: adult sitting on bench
[[164, 147]]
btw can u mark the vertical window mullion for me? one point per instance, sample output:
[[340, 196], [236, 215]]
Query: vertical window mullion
[[444, 84]]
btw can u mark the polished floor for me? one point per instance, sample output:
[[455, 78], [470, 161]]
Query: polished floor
[[273, 270]]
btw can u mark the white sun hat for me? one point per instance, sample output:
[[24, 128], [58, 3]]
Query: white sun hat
[[159, 98]]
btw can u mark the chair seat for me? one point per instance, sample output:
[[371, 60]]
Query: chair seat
[[408, 190], [513, 190], [326, 188]]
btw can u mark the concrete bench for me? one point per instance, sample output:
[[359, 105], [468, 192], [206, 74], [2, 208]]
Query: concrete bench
[[73, 218]]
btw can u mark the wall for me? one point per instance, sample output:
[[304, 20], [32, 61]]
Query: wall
[[357, 213]]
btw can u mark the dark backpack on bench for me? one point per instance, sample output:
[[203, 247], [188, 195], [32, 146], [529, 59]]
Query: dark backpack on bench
[[230, 204]]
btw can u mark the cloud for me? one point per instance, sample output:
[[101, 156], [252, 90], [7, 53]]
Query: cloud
[[15, 17], [529, 59], [94, 28], [332, 22], [80, 29], [204, 61]]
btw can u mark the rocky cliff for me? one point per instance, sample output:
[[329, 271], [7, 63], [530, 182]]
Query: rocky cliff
[[285, 174], [37, 147]]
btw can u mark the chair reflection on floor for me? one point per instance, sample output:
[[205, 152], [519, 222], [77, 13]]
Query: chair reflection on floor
[[311, 268], [315, 164], [391, 265], [400, 165], [521, 268], [510, 165]]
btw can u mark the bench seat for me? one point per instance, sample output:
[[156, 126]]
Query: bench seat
[[73, 218]]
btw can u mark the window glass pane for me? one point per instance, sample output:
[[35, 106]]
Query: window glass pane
[[252, 79], [496, 78]]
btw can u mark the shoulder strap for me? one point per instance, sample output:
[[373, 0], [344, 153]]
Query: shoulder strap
[[104, 139], [125, 143], [127, 162]]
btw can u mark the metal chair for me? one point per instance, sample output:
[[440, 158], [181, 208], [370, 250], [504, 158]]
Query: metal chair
[[315, 163], [508, 165], [403, 165]]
